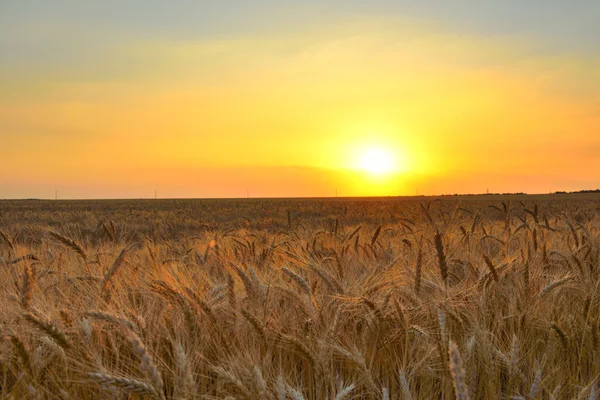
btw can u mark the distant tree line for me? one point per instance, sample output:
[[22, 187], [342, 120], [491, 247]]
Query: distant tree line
[[485, 194], [580, 191]]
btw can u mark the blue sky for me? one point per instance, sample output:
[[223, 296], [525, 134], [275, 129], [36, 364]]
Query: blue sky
[[46, 36], [560, 25]]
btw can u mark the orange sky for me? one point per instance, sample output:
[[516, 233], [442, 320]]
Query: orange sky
[[290, 111]]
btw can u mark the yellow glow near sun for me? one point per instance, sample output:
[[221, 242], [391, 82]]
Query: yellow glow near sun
[[376, 153], [377, 161]]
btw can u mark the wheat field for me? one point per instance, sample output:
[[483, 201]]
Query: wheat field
[[468, 298]]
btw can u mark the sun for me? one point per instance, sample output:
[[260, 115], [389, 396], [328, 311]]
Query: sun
[[377, 161]]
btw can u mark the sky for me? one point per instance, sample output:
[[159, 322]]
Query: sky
[[125, 99]]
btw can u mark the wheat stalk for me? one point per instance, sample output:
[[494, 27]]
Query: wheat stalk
[[232, 379], [50, 329], [27, 288], [119, 261], [113, 319], [491, 267], [419, 268], [256, 324], [147, 363], [458, 373], [7, 239], [22, 353], [298, 279], [70, 243], [344, 392], [441, 256], [129, 385]]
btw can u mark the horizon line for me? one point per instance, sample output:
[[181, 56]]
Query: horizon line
[[559, 192]]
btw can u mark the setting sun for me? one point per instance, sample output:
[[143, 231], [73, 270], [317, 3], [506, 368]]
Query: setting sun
[[377, 161]]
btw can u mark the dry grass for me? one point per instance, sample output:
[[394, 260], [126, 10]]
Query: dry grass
[[310, 299]]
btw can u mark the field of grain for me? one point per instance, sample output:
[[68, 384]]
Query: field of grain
[[473, 297]]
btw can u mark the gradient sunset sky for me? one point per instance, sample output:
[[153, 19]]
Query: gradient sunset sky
[[117, 99]]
